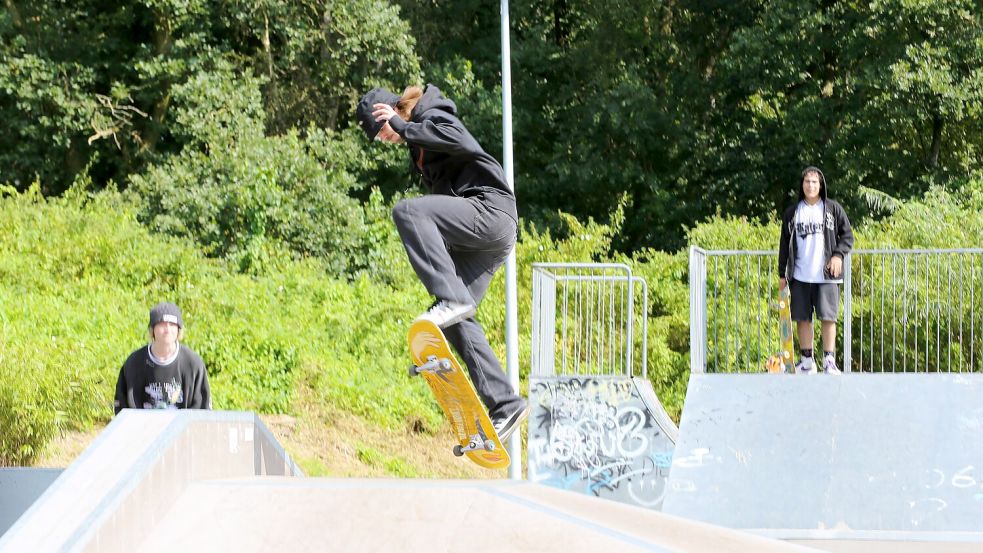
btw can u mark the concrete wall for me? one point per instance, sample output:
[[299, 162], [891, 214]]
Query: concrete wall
[[19, 488]]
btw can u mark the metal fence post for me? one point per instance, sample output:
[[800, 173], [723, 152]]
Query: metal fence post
[[847, 313], [697, 310]]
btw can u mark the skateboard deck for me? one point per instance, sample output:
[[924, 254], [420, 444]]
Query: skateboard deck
[[433, 360], [783, 361], [785, 328]]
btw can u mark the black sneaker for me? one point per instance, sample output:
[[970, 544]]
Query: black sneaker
[[507, 424]]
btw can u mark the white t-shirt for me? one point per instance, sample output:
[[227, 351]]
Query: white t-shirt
[[810, 243], [163, 362]]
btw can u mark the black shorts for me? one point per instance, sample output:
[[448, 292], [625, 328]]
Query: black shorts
[[823, 298]]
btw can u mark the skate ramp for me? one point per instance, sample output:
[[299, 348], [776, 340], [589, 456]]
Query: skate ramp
[[315, 515], [130, 476], [602, 436], [205, 481], [859, 458]]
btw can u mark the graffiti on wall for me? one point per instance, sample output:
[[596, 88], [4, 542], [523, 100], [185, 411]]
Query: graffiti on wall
[[596, 436]]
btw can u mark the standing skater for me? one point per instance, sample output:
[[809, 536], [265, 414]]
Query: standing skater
[[166, 374], [456, 236], [816, 235]]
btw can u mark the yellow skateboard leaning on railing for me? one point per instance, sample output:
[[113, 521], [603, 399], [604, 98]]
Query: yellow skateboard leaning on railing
[[783, 361], [433, 360]]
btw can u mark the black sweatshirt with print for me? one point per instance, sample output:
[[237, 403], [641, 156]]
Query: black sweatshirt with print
[[181, 384]]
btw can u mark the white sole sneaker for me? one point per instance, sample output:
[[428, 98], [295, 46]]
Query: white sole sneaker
[[445, 314]]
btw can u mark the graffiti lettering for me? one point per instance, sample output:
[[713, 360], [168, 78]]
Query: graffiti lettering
[[595, 435]]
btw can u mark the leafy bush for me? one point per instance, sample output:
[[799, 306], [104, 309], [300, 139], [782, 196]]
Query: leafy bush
[[253, 199]]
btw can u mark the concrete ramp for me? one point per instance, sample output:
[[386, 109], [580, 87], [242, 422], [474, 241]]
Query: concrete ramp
[[857, 457], [603, 436], [130, 476], [316, 515], [209, 481]]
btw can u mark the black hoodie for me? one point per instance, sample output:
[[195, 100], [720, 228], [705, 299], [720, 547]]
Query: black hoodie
[[448, 158], [837, 235]]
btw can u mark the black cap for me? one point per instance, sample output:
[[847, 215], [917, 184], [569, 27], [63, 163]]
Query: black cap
[[166, 312], [363, 113]]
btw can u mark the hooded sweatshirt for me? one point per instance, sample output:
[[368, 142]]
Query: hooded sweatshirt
[[837, 234], [449, 160]]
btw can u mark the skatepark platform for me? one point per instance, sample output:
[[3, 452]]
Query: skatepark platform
[[218, 481], [761, 463], [847, 463]]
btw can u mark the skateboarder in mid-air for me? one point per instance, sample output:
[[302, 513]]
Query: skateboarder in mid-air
[[456, 236], [815, 238]]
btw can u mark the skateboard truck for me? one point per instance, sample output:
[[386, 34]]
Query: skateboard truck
[[476, 442], [433, 365]]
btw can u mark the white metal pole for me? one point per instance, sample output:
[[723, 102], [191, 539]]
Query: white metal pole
[[511, 317]]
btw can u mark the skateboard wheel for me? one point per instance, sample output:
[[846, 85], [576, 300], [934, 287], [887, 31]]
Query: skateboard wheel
[[445, 364], [413, 370], [489, 445], [458, 451]]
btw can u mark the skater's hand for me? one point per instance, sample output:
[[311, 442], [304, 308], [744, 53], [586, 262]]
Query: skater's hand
[[383, 112], [782, 283], [835, 266]]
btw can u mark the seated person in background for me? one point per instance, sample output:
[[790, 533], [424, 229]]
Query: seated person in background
[[165, 374]]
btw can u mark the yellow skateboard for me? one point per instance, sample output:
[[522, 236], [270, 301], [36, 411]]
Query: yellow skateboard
[[783, 361], [432, 359]]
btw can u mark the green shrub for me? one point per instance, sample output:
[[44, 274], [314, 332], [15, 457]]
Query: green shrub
[[255, 200]]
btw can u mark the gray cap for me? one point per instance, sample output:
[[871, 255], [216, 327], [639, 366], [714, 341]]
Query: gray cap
[[363, 113], [166, 312]]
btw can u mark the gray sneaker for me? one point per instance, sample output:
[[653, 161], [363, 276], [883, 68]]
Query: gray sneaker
[[829, 365], [806, 366], [505, 425], [447, 313]]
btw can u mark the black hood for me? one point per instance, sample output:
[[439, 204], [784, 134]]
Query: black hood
[[432, 99], [822, 182]]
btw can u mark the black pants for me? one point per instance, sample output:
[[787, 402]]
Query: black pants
[[455, 245]]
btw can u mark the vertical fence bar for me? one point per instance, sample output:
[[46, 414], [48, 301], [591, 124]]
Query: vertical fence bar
[[848, 312], [938, 313], [873, 302], [726, 288], [860, 271], [928, 284], [758, 304], [905, 318], [882, 313], [747, 349], [716, 316], [894, 313], [916, 361], [961, 312], [948, 323]]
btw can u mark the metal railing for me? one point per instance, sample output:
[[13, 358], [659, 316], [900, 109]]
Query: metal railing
[[585, 320], [902, 310]]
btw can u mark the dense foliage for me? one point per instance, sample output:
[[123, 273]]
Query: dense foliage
[[687, 108]]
